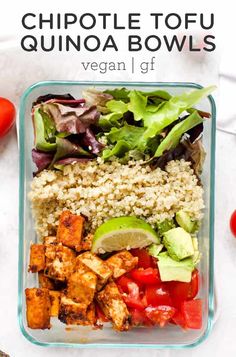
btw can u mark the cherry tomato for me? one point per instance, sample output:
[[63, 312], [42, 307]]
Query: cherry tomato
[[7, 116], [144, 259], [146, 276], [233, 223], [192, 312], [133, 299], [158, 295], [160, 315]]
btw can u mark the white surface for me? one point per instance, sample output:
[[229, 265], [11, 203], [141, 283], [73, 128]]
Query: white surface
[[13, 79]]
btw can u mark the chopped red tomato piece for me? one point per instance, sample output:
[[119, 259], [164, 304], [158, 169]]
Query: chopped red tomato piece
[[184, 291], [146, 276], [194, 286], [192, 312], [139, 318], [160, 315], [132, 299], [122, 282], [144, 259], [179, 319], [158, 295]]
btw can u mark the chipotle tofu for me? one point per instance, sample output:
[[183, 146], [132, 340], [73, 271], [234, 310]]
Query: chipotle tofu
[[74, 282]]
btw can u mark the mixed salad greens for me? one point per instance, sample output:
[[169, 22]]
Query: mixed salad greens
[[123, 123]]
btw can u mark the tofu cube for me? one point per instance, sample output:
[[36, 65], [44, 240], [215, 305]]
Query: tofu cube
[[81, 287], [96, 265], [70, 230], [121, 263], [45, 281], [86, 242], [113, 306], [55, 297], [37, 258], [60, 262], [38, 308], [50, 240], [73, 313]]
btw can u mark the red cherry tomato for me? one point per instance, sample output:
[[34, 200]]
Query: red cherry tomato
[[160, 315], [133, 298], [192, 312], [158, 295], [7, 116], [144, 259], [233, 223], [146, 276], [122, 283]]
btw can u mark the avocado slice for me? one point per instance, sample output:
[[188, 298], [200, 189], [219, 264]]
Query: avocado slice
[[178, 243], [184, 220], [155, 249], [165, 226], [197, 255], [171, 270]]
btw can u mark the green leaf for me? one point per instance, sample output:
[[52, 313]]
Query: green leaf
[[129, 133], [118, 150], [67, 149], [119, 94], [117, 106], [41, 134], [137, 104], [170, 111], [174, 136]]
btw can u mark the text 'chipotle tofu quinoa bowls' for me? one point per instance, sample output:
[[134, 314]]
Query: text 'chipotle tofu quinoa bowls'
[[117, 201]]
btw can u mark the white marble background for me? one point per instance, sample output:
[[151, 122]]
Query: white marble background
[[13, 80]]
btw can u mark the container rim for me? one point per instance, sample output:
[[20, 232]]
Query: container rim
[[22, 207]]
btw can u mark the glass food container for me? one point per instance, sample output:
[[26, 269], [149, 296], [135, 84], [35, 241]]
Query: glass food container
[[78, 336]]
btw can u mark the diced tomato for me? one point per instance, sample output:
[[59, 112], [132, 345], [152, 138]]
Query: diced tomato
[[160, 315], [134, 303], [179, 319], [146, 276], [100, 314], [133, 299], [144, 259], [192, 312], [194, 286], [158, 295], [122, 282], [181, 291], [139, 318]]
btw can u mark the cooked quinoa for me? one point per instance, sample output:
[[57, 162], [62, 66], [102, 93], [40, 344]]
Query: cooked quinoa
[[101, 190]]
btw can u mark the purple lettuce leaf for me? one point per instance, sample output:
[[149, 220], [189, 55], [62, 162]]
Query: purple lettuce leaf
[[90, 140], [46, 97], [71, 120], [41, 159], [67, 149]]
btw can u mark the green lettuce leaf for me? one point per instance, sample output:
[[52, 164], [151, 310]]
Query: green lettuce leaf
[[43, 132], [118, 150], [129, 133], [170, 111], [67, 149], [137, 104], [173, 137]]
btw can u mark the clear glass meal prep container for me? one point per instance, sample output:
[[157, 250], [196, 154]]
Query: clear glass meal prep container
[[78, 336]]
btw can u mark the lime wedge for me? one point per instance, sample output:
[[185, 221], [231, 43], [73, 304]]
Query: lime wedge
[[123, 233]]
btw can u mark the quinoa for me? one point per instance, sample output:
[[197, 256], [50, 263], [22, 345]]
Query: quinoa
[[101, 190]]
